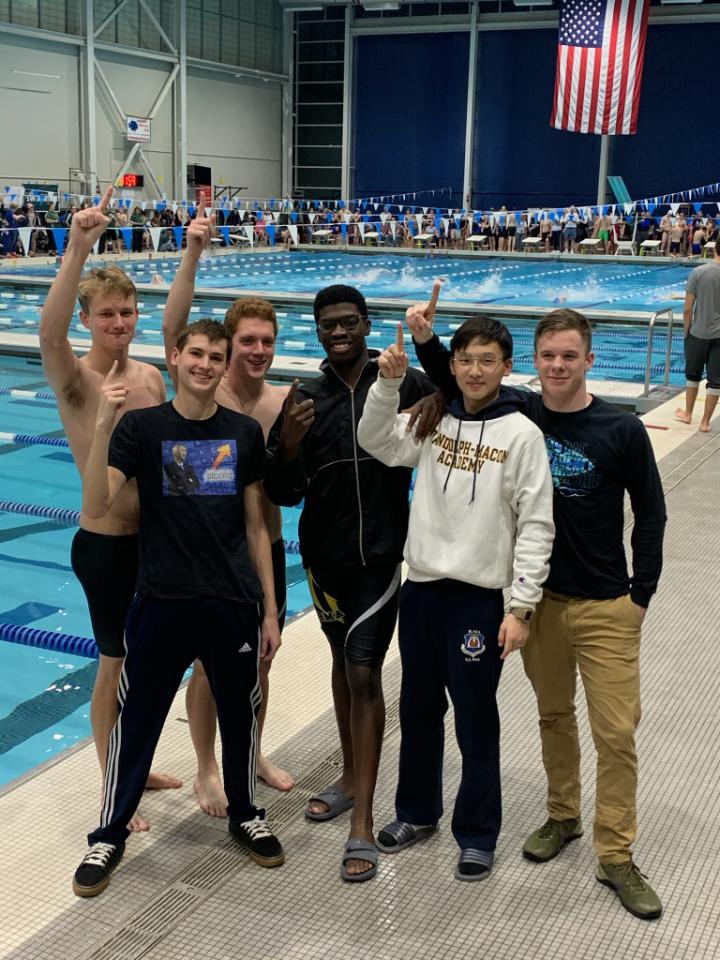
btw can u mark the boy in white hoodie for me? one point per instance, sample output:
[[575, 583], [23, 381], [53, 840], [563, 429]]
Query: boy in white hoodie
[[481, 520]]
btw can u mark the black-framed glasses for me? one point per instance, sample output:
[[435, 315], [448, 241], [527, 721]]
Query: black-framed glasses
[[349, 322]]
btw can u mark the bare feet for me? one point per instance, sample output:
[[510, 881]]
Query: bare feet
[[162, 781], [704, 426], [273, 775], [683, 416], [211, 796], [138, 824]]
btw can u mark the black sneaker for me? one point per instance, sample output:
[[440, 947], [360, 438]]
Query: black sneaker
[[93, 874], [259, 841]]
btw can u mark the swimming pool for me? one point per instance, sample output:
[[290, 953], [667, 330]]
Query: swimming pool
[[620, 348], [44, 695], [501, 282]]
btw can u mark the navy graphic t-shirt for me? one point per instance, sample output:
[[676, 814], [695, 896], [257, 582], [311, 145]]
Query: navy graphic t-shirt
[[191, 477]]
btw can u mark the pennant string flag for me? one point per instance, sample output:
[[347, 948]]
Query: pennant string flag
[[601, 48]]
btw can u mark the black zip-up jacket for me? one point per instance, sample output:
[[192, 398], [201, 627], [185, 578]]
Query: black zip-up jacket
[[356, 509]]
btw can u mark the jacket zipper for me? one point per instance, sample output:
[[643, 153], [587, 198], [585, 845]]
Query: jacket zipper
[[357, 474], [355, 456]]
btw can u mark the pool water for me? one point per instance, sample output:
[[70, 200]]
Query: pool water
[[44, 695], [620, 349], [526, 282]]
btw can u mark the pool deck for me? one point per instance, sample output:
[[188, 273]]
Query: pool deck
[[185, 891]]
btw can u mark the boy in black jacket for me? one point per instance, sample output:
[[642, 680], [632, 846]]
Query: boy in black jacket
[[352, 532]]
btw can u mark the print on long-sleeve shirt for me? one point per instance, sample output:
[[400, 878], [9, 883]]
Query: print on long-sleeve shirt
[[573, 473]]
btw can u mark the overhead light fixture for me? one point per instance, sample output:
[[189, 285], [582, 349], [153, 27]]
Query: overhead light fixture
[[306, 8], [533, 3], [372, 7], [673, 3]]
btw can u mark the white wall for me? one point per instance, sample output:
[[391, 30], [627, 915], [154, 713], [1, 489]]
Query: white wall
[[40, 132], [234, 124], [235, 128]]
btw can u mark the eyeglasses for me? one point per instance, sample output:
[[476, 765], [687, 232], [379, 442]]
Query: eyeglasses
[[487, 362], [349, 322]]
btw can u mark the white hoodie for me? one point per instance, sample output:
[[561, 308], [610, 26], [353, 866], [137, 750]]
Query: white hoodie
[[482, 510]]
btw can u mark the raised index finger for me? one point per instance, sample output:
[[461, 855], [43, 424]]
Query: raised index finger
[[106, 199], [437, 287], [290, 398], [399, 342], [201, 203]]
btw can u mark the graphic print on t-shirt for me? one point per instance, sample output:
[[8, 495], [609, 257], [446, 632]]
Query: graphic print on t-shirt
[[573, 474], [199, 468]]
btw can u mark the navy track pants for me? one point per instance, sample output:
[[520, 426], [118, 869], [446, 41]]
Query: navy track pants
[[448, 641], [162, 638]]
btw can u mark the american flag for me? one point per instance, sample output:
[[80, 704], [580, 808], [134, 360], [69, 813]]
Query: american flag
[[601, 45]]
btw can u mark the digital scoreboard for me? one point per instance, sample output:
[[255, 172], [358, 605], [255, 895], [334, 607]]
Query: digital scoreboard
[[131, 181]]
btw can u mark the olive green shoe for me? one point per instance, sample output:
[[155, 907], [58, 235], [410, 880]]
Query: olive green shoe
[[632, 888], [550, 839]]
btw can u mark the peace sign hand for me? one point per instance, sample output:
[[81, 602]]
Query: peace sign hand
[[393, 361], [87, 226], [419, 317]]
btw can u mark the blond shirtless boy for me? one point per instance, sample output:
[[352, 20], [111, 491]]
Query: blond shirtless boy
[[253, 327], [105, 550]]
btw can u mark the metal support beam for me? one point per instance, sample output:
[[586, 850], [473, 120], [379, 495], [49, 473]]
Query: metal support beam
[[603, 167], [110, 17], [287, 105], [164, 90], [156, 23], [346, 178], [127, 161], [139, 53], [180, 107], [120, 114], [151, 173], [470, 112], [89, 107]]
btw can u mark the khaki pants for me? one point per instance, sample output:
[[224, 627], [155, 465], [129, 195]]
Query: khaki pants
[[602, 639]]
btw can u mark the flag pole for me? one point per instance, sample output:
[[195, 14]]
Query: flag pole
[[603, 167]]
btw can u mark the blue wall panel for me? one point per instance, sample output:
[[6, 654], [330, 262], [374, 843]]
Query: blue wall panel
[[677, 144], [519, 159], [410, 119], [410, 105]]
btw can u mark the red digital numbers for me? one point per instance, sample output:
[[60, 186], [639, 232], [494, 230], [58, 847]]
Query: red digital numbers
[[132, 180]]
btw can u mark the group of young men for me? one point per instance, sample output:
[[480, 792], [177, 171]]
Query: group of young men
[[512, 490]]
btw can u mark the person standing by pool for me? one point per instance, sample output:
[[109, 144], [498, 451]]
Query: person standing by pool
[[701, 317], [352, 531], [592, 609], [205, 567], [603, 226], [105, 550], [480, 521], [253, 327]]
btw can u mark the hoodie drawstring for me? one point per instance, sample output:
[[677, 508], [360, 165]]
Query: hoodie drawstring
[[452, 458], [477, 458]]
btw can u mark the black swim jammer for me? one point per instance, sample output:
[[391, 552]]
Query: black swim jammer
[[107, 568]]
